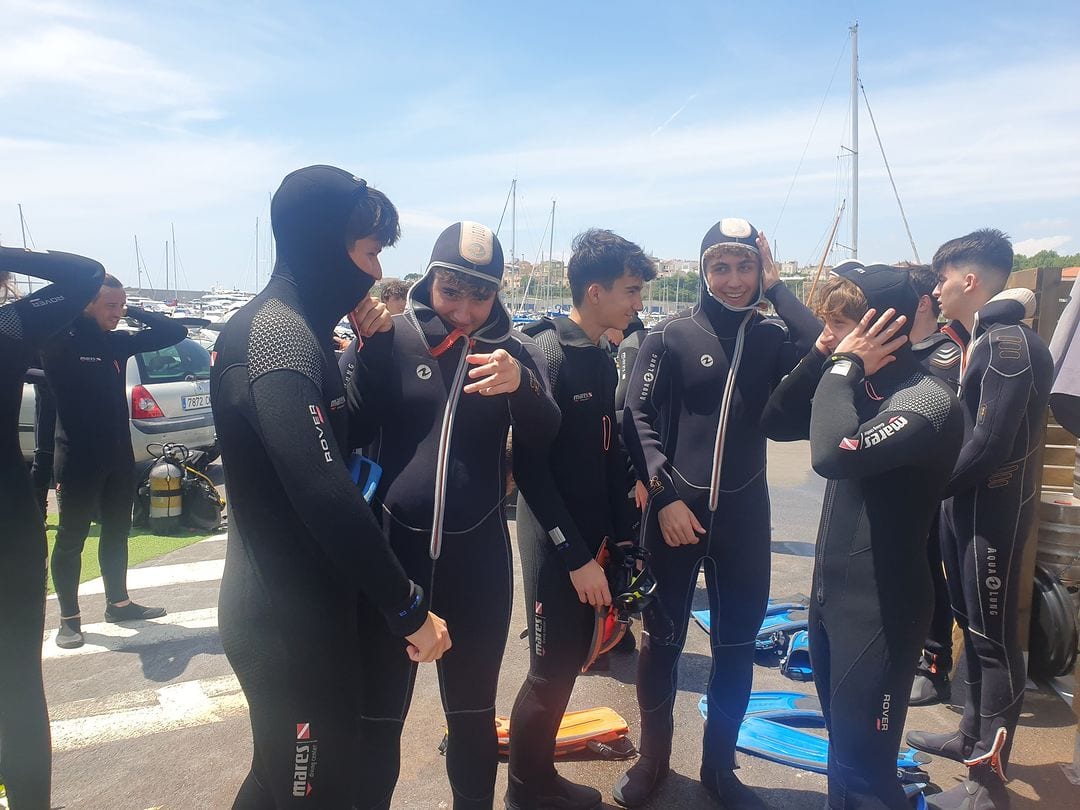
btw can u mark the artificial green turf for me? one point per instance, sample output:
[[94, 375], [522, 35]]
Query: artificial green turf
[[141, 547]]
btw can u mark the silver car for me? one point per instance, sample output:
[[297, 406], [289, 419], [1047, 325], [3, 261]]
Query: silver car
[[168, 394]]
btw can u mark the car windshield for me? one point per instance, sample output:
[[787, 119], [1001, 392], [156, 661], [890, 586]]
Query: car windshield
[[187, 360]]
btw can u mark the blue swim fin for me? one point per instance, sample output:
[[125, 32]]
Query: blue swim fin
[[796, 664], [781, 604], [702, 618], [777, 606], [783, 707], [801, 749], [776, 628]]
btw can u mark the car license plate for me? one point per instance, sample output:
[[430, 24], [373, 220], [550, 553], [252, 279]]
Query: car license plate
[[195, 402]]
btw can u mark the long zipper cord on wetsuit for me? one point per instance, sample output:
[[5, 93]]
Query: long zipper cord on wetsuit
[[725, 409], [444, 436]]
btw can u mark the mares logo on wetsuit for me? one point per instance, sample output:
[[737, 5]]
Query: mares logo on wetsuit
[[304, 758], [44, 302], [318, 420], [883, 721], [539, 628], [876, 435]]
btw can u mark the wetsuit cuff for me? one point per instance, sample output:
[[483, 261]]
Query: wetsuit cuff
[[410, 615], [661, 495], [845, 364], [575, 556]]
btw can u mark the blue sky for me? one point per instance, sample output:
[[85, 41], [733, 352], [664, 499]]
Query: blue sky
[[119, 119]]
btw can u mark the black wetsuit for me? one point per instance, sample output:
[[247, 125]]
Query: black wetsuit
[[304, 548], [674, 406], [940, 355], [25, 325], [886, 445], [95, 465], [625, 358], [1005, 388], [577, 498], [441, 500]]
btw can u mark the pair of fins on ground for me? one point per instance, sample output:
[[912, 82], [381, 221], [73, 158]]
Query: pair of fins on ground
[[783, 631], [774, 728]]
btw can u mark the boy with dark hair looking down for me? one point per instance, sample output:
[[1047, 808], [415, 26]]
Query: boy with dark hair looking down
[[582, 479]]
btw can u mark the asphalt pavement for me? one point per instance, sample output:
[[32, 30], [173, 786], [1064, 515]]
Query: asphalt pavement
[[149, 715]]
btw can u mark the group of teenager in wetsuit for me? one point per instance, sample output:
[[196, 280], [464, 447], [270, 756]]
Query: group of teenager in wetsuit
[[329, 604]]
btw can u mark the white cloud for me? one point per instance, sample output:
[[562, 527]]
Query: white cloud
[[1029, 247]]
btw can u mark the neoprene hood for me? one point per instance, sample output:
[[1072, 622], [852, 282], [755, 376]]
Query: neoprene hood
[[309, 214], [883, 286], [734, 232]]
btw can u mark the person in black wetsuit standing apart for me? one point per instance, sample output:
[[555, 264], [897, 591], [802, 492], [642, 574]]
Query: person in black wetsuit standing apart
[[95, 466], [937, 347], [304, 548], [434, 397], [583, 478], [699, 384], [25, 324], [1005, 384], [885, 435]]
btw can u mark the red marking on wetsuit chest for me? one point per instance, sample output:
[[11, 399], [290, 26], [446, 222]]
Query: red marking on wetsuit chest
[[449, 341]]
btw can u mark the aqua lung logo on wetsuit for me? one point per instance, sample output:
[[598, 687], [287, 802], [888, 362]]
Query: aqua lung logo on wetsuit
[[304, 757], [423, 372], [539, 628], [44, 302], [883, 720], [648, 377], [318, 421], [707, 360], [993, 581]]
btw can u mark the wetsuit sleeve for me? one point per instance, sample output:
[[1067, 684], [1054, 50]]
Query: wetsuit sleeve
[[905, 432], [786, 417], [650, 384], [534, 477], [533, 411], [1004, 375], [533, 474], [803, 326], [367, 388], [35, 318], [624, 365], [287, 406], [161, 333]]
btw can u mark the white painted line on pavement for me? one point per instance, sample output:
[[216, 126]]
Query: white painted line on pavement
[[177, 706], [158, 576], [106, 636]]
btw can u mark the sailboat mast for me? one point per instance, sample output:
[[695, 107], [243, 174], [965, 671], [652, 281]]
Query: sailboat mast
[[551, 249], [138, 264], [166, 268], [855, 141], [175, 268]]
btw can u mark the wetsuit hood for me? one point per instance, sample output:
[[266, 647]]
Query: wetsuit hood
[[474, 250], [885, 287], [735, 232], [1008, 307], [309, 214]]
